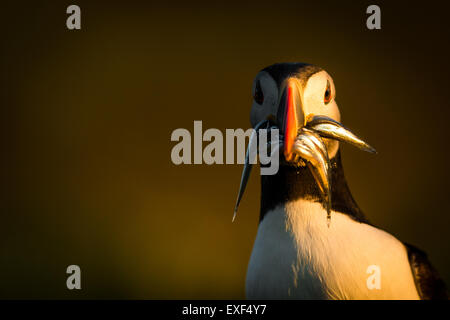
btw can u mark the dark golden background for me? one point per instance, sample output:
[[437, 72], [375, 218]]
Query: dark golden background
[[87, 117]]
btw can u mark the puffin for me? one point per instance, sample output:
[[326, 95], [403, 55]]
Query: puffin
[[313, 241]]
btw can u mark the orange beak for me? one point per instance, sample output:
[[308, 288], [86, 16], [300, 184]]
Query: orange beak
[[292, 112]]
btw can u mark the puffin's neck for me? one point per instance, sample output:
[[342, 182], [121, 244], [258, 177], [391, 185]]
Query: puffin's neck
[[291, 184]]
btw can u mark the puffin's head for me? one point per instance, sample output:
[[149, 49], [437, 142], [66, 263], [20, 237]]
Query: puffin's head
[[299, 100]]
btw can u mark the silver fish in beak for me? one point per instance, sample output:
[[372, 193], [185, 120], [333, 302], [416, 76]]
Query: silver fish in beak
[[302, 142]]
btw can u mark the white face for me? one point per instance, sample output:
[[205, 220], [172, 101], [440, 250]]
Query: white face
[[319, 99], [317, 95], [267, 103]]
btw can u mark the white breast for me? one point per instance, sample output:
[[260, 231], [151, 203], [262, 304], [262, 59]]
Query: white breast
[[296, 256]]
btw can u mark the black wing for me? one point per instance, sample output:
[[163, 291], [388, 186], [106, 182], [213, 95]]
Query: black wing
[[428, 282]]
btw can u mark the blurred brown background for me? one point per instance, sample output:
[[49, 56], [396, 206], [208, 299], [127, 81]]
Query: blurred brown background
[[87, 117]]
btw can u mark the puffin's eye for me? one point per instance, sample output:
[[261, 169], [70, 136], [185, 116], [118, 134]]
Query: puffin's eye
[[327, 95], [258, 96]]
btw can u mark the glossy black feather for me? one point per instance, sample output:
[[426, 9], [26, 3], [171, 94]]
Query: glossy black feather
[[428, 282], [292, 183]]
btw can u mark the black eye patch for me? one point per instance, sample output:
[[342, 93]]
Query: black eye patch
[[327, 95], [258, 95]]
